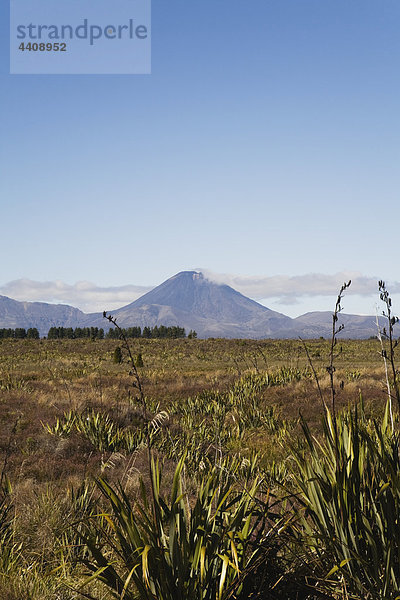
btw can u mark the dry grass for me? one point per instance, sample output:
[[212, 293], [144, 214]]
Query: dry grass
[[42, 380]]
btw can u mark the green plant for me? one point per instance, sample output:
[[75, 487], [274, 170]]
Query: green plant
[[117, 356], [350, 487], [174, 550], [99, 429], [9, 551]]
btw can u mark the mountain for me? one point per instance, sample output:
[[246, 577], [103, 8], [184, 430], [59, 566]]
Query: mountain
[[355, 326], [191, 301], [15, 314]]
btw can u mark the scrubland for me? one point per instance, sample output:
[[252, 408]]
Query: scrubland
[[227, 478]]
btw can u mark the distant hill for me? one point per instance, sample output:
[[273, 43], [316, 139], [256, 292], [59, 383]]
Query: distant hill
[[356, 327], [191, 301], [37, 314]]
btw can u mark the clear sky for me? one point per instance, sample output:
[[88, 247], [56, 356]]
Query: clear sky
[[265, 143]]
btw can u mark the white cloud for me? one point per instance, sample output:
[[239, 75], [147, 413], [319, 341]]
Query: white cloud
[[288, 289], [84, 294]]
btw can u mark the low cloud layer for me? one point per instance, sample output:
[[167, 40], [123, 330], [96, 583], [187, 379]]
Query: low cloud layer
[[84, 295], [289, 289]]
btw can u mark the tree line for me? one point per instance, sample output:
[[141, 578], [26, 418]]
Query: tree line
[[20, 333], [96, 333], [69, 333], [173, 332]]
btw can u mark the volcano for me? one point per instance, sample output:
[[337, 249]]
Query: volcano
[[190, 300]]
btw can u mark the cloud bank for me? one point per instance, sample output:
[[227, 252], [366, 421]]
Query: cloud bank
[[289, 289], [286, 290], [84, 295]]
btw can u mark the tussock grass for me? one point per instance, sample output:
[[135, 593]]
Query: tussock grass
[[228, 413]]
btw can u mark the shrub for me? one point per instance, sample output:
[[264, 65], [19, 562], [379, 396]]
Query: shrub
[[117, 356], [350, 487], [167, 550]]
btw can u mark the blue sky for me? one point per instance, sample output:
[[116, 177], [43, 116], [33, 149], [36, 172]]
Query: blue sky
[[265, 144]]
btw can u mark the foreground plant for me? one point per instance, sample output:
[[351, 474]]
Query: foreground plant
[[350, 486], [387, 333], [176, 549]]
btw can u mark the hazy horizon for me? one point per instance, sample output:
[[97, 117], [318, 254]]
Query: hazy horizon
[[264, 145], [290, 296]]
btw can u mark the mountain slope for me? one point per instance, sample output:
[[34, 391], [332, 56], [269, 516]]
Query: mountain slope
[[37, 314], [213, 310], [191, 301], [355, 326]]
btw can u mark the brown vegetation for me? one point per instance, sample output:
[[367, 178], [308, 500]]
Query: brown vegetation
[[187, 383]]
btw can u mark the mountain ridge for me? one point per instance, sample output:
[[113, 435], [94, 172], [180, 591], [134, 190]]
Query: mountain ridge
[[192, 301]]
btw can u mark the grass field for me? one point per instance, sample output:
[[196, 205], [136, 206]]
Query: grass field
[[69, 414]]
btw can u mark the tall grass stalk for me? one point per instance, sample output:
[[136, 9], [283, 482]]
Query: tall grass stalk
[[388, 334]]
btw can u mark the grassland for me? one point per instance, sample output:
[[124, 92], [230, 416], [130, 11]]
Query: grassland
[[69, 414]]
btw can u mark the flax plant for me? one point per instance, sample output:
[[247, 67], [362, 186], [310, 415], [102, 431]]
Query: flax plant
[[350, 487], [200, 550]]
